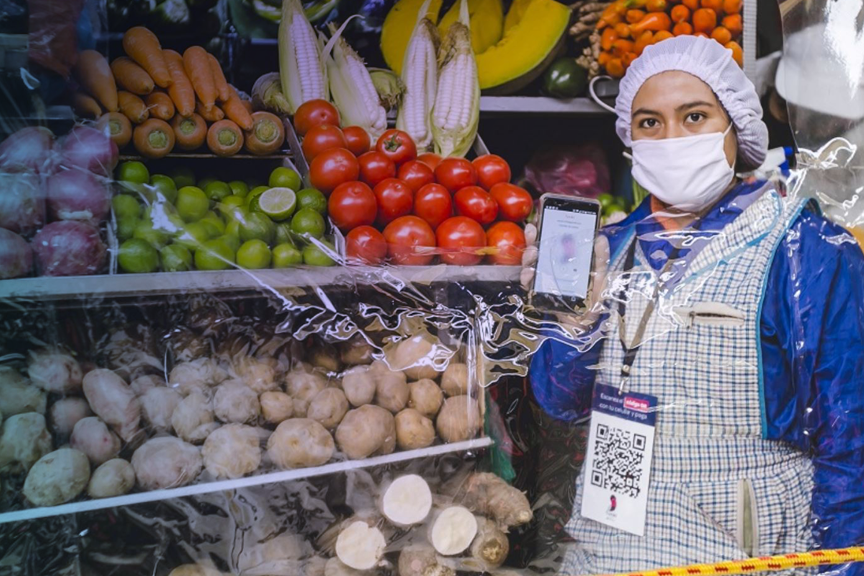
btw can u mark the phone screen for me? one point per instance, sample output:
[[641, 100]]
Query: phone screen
[[567, 231]]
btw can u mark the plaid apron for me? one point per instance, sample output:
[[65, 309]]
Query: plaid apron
[[718, 489]]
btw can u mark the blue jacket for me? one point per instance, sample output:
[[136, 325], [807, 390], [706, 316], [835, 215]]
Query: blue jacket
[[812, 345]]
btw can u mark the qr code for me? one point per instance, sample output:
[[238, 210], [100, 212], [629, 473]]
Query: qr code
[[618, 460]]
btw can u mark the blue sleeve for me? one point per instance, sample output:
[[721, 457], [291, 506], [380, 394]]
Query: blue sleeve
[[813, 365], [562, 379]]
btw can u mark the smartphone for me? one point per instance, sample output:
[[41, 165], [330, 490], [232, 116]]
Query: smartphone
[[568, 227]]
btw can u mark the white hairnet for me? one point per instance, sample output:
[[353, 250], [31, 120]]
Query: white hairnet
[[713, 64]]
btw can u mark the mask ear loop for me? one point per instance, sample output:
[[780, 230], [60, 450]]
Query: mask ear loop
[[596, 98]]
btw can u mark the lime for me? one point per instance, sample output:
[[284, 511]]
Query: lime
[[217, 190], [154, 236], [232, 201], [252, 197], [239, 188], [253, 255], [277, 203], [126, 227], [257, 226], [605, 200], [233, 228], [165, 186], [204, 182], [164, 217], [133, 172], [192, 203], [285, 178], [315, 256], [231, 240], [175, 258], [308, 221], [286, 255], [283, 234], [215, 226], [138, 256], [230, 211], [313, 199], [192, 236], [126, 206], [214, 255], [183, 177]]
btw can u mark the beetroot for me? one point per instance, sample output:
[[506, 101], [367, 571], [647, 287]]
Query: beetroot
[[69, 248], [22, 202], [28, 149], [74, 194], [16, 256], [90, 149]]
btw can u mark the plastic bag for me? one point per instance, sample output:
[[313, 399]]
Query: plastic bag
[[576, 170]]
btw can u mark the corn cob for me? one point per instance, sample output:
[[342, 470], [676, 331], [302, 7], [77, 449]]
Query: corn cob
[[301, 70], [420, 76]]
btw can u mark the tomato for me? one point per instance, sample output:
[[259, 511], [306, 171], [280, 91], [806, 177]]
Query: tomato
[[321, 138], [332, 168], [459, 238], [314, 113], [375, 167], [509, 239], [407, 239], [397, 145], [455, 173], [430, 159], [352, 204], [416, 174], [365, 245], [514, 203], [477, 204], [395, 199], [491, 169], [358, 139], [433, 204]]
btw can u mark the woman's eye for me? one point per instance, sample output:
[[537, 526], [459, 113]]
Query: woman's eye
[[648, 123], [695, 117]]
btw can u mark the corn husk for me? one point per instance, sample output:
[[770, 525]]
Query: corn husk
[[299, 84], [389, 86]]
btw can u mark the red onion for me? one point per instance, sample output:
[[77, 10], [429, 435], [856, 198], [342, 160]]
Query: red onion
[[16, 256], [90, 149], [26, 149], [22, 202], [69, 248], [77, 195]]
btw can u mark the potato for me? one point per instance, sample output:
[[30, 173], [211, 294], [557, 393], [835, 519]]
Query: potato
[[158, 405], [355, 351], [92, 437], [18, 395], [303, 385], [454, 382], [113, 401], [25, 439], [300, 443], [425, 396], [257, 375], [66, 412], [193, 418], [54, 372], [459, 419], [359, 385], [142, 384], [325, 357], [232, 451], [391, 389], [328, 407], [113, 478], [366, 431], [276, 407], [413, 430], [203, 372], [235, 402], [282, 554], [195, 570], [418, 357], [166, 462], [57, 477]]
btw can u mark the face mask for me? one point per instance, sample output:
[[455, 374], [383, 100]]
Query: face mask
[[689, 173]]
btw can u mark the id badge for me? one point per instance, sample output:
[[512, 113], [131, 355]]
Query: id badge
[[618, 462]]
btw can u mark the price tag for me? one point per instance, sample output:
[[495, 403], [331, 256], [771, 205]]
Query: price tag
[[618, 464]]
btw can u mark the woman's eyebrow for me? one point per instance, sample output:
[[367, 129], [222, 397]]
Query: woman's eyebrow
[[696, 104], [646, 111]]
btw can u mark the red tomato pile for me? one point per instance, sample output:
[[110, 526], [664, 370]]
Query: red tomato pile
[[393, 204]]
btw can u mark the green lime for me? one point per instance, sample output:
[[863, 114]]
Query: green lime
[[138, 256], [233, 228], [231, 240], [214, 255], [133, 171], [312, 199], [253, 255], [204, 182], [126, 227], [215, 226], [277, 203], [164, 217], [145, 230], [192, 236], [308, 221], [165, 186], [285, 178], [239, 188], [192, 203], [252, 197], [286, 256], [283, 234], [233, 201], [605, 200], [183, 176], [315, 256], [257, 226], [231, 212], [126, 206], [175, 258], [217, 190]]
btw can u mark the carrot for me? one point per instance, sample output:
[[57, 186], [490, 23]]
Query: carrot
[[160, 105], [219, 78], [154, 138], [189, 133], [117, 127], [662, 35], [615, 68], [644, 40], [680, 13], [622, 47], [197, 68], [143, 47], [634, 16], [235, 110], [628, 59], [654, 21], [704, 20], [130, 76], [656, 5], [608, 36], [224, 138], [602, 59], [682, 29], [248, 105], [181, 91], [95, 77], [132, 107], [214, 115], [85, 106], [623, 30], [267, 134]]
